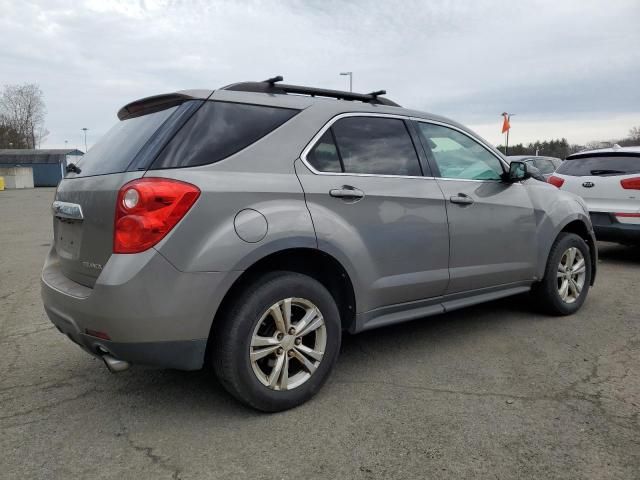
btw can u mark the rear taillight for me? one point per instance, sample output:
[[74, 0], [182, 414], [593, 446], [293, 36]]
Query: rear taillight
[[147, 209], [555, 181], [631, 183]]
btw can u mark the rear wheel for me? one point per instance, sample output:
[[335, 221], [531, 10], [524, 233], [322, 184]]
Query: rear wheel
[[277, 344], [567, 277]]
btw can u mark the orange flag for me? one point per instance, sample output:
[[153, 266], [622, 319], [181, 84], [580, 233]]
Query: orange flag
[[505, 125]]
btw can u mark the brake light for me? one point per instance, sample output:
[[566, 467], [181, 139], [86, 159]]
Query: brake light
[[631, 183], [555, 181], [147, 209]]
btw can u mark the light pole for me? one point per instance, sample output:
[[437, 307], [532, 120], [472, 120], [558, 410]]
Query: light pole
[[84, 129], [350, 79]]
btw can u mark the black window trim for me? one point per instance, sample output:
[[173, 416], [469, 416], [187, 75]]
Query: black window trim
[[329, 124], [434, 166], [335, 144]]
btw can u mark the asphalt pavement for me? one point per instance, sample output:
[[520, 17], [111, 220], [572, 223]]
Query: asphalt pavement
[[496, 391]]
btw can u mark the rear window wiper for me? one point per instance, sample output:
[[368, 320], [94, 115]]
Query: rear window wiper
[[606, 172], [73, 168]]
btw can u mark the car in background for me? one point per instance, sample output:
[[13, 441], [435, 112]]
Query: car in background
[[546, 165], [608, 180]]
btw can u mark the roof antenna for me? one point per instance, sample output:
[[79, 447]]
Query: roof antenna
[[274, 79]]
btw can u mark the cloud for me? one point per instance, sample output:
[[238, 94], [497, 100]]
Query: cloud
[[562, 63]]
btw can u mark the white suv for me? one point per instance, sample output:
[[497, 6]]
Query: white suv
[[609, 181]]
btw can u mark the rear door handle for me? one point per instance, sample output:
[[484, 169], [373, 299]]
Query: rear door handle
[[347, 192], [461, 199]]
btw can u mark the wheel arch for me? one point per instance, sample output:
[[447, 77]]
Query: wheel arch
[[580, 227], [313, 262]]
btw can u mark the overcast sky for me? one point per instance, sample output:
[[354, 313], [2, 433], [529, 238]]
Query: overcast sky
[[567, 68]]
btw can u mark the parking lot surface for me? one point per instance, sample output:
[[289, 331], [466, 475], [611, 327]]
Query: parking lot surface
[[495, 391]]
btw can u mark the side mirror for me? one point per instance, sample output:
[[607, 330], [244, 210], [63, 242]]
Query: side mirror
[[517, 171]]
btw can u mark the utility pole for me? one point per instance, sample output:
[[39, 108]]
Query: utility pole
[[350, 79], [84, 129]]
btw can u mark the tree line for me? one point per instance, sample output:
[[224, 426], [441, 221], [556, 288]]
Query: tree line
[[22, 112], [561, 148]]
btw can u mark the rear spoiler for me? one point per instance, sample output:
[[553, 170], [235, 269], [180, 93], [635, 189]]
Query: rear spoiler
[[604, 154], [156, 103]]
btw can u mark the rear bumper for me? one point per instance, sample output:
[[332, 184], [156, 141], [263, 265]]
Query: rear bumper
[[608, 229], [152, 313]]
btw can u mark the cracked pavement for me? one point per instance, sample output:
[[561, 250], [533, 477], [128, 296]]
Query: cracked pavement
[[494, 391]]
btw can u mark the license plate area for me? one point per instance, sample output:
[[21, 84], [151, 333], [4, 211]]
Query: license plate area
[[68, 238]]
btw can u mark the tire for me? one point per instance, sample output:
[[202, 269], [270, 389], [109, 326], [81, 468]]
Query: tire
[[249, 323], [548, 293]]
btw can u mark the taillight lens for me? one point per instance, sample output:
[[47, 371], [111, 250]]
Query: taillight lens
[[631, 183], [147, 209], [556, 181]]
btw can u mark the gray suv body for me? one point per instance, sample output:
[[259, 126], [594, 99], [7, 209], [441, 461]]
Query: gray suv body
[[249, 226]]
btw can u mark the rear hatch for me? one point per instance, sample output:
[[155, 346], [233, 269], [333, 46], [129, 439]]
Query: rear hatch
[[606, 181], [84, 207]]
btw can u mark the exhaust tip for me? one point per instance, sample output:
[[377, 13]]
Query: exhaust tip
[[114, 365]]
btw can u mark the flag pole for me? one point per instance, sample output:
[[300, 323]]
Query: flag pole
[[506, 126], [506, 147]]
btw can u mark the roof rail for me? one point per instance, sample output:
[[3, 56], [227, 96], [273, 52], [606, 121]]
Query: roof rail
[[272, 85]]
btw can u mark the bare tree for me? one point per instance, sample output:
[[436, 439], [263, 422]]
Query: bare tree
[[634, 134], [22, 109]]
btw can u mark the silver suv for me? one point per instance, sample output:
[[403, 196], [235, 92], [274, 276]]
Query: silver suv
[[247, 227]]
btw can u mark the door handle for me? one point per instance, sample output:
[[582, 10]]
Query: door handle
[[347, 192], [461, 199]]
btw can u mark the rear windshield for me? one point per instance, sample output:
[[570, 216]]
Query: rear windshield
[[218, 130], [600, 166], [118, 147]]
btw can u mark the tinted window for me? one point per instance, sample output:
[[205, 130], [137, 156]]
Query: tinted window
[[376, 145], [118, 147], [218, 130], [324, 155], [580, 167], [458, 156]]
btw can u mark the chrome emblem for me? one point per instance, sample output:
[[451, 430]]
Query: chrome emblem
[[72, 211], [94, 266], [588, 184]]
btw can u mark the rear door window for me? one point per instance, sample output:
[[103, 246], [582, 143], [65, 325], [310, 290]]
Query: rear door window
[[544, 165], [218, 130], [600, 166], [324, 155], [376, 145], [369, 145]]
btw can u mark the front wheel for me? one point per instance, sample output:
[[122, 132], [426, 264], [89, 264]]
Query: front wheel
[[567, 276], [277, 344]]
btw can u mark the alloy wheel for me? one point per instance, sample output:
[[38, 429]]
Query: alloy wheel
[[572, 271], [288, 344]]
